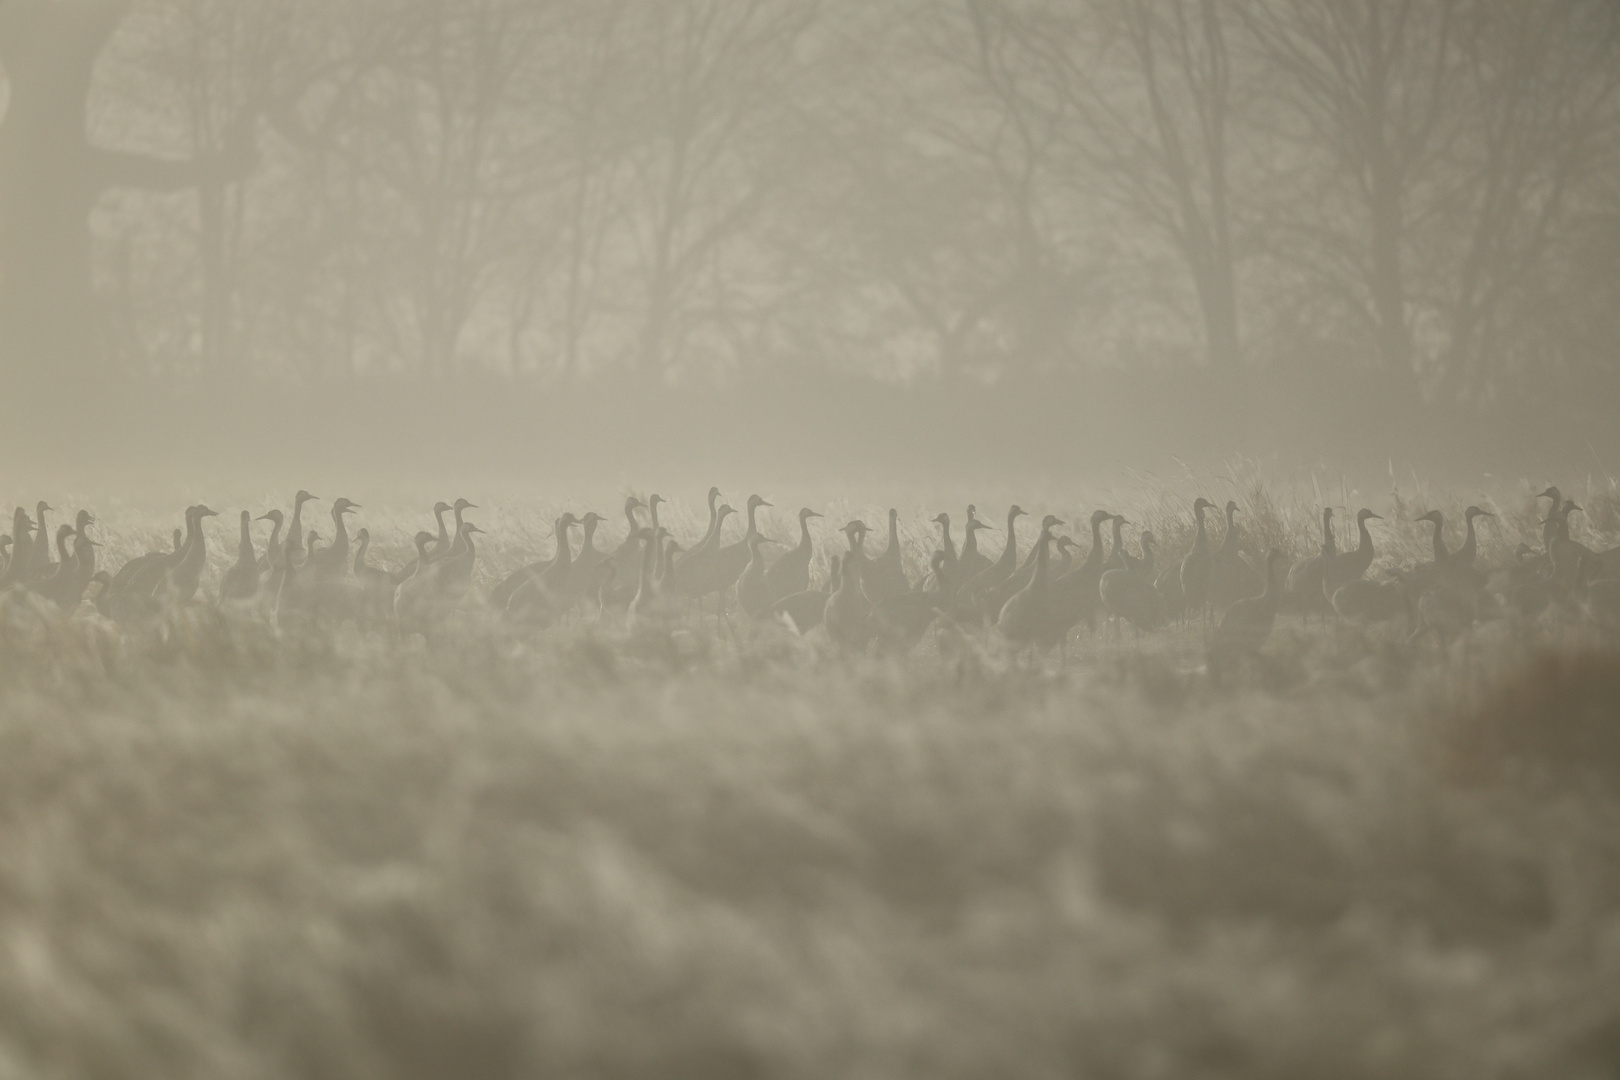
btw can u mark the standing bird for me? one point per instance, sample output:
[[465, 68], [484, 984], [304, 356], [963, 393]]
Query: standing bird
[[1350, 566], [22, 550], [54, 586], [551, 575], [376, 584], [1464, 556], [1130, 595], [456, 569], [1076, 595], [590, 557], [1023, 617], [1247, 623], [886, 576], [1000, 570], [294, 549], [753, 591], [40, 563], [729, 560], [334, 558], [1230, 577], [626, 558], [713, 572], [972, 560], [241, 581], [1305, 577], [711, 538], [992, 600], [900, 622], [790, 573], [848, 611], [417, 605], [1195, 565], [1441, 553], [272, 550]]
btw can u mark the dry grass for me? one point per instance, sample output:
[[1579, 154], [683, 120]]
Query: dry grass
[[231, 854]]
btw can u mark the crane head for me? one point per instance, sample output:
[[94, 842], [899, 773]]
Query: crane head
[[463, 504], [807, 513], [303, 497]]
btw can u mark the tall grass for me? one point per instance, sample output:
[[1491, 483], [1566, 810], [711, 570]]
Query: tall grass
[[226, 852]]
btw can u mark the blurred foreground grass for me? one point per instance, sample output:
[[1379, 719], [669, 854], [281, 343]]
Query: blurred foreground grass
[[237, 855]]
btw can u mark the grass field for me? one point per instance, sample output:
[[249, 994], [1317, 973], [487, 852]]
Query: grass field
[[738, 854]]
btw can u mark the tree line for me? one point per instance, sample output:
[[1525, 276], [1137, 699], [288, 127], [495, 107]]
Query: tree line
[[1426, 190]]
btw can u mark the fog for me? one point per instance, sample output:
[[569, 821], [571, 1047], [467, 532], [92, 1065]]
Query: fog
[[563, 239], [809, 538]]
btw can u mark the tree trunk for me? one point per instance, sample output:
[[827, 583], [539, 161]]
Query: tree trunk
[[50, 179]]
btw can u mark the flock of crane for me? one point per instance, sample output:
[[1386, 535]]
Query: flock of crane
[[1033, 599]]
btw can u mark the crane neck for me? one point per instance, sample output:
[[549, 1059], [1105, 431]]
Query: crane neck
[[1440, 552], [1009, 554], [1470, 542], [565, 553], [360, 553], [340, 534], [444, 531], [804, 534], [946, 542]]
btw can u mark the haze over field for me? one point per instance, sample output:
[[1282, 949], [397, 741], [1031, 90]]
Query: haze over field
[[810, 538]]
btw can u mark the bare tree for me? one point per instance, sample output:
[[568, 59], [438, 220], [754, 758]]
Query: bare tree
[[52, 175], [1370, 85]]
